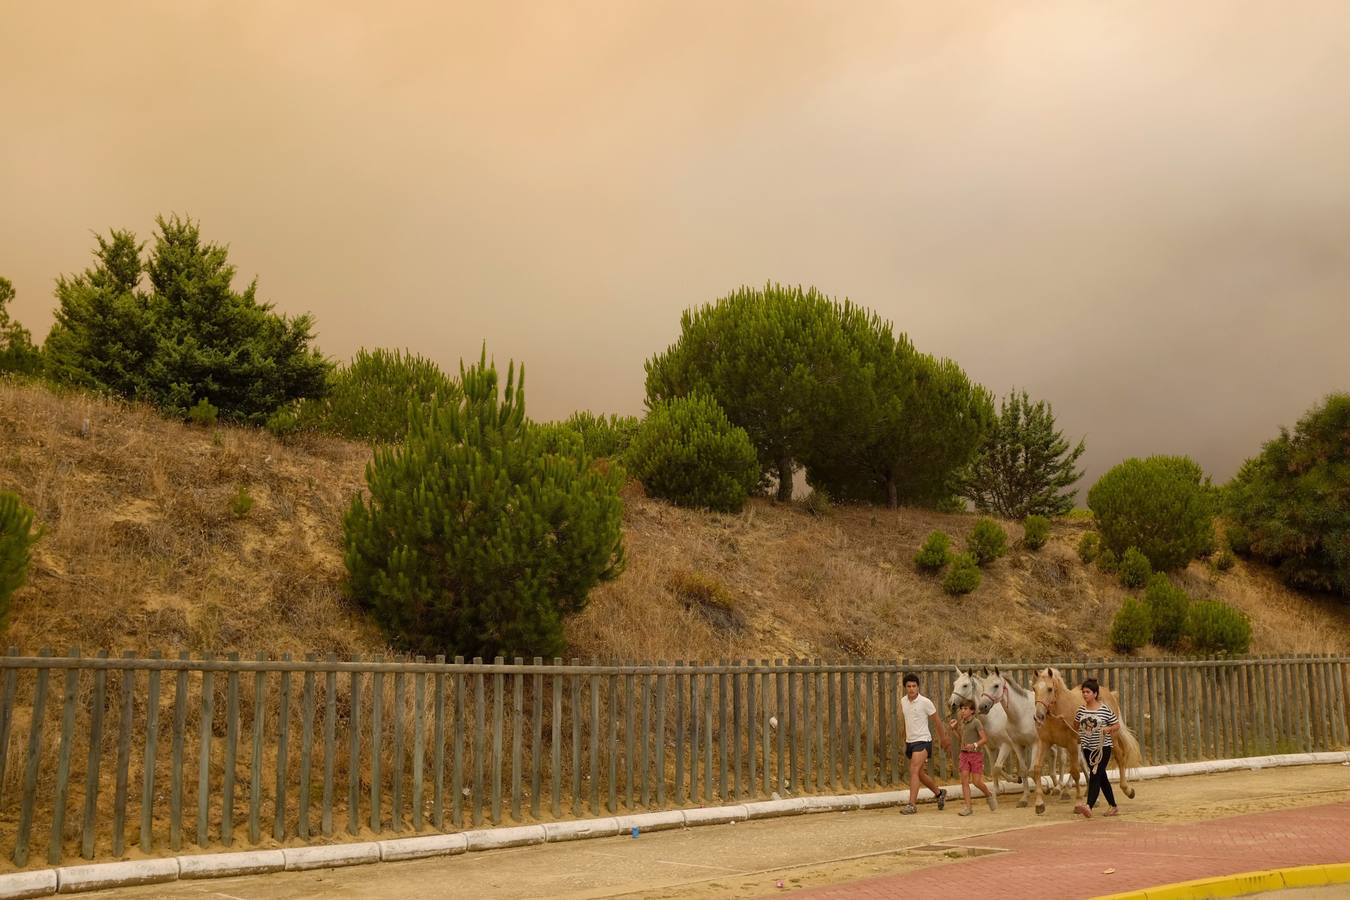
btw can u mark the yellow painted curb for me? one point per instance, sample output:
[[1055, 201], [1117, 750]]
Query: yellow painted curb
[[1242, 884]]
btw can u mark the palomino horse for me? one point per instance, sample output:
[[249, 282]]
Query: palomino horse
[[1009, 735], [1056, 708], [1019, 707]]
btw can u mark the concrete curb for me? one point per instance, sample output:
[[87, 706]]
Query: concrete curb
[[1244, 883], [97, 876]]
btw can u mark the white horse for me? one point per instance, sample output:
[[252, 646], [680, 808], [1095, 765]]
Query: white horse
[[1006, 737], [1018, 705]]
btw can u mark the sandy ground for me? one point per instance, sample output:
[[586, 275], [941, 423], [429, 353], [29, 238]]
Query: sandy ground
[[752, 859]]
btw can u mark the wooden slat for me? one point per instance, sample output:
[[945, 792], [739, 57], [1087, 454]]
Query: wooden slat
[[256, 768], [555, 749], [752, 727], [306, 753], [681, 729], [780, 739], [644, 694], [207, 712], [722, 762], [176, 758], [736, 734], [457, 771], [766, 731], [397, 713], [283, 751], [612, 739], [419, 745], [376, 749], [594, 759], [832, 738], [329, 747], [517, 716], [7, 715], [629, 742], [708, 772], [354, 755], [661, 738], [231, 752], [578, 715], [63, 764], [818, 687], [479, 743], [498, 698], [93, 764], [438, 755], [30, 773], [537, 736], [790, 723]]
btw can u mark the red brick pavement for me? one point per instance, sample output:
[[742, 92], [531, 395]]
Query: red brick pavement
[[1068, 861]]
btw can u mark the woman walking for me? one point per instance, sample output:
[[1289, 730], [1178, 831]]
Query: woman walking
[[1096, 723]]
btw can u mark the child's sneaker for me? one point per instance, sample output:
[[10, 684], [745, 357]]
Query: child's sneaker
[[993, 803], [965, 811], [941, 798], [908, 809]]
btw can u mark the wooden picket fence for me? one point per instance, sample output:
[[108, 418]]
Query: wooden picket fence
[[222, 751]]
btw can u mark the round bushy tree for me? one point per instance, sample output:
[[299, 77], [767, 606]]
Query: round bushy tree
[[963, 577], [17, 537], [475, 540], [1134, 569], [934, 553], [1132, 628], [371, 398], [987, 542], [1216, 627], [1162, 505], [686, 451], [1290, 506], [1035, 532], [1089, 545]]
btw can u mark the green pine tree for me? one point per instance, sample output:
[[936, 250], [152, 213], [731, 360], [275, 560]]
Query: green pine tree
[[17, 353], [1025, 466]]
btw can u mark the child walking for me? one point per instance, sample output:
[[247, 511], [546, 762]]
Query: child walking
[[971, 734]]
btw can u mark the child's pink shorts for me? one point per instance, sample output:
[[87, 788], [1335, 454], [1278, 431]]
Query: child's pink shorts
[[972, 762]]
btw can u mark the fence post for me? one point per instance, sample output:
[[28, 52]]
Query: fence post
[[231, 754], [63, 762], [95, 759]]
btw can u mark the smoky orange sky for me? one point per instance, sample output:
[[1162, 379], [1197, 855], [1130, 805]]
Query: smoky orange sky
[[1139, 211]]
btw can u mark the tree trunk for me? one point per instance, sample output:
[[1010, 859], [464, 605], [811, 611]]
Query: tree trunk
[[785, 479], [892, 497]]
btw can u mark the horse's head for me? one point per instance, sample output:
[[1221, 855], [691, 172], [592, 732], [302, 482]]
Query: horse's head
[[966, 687], [995, 691], [1045, 690]]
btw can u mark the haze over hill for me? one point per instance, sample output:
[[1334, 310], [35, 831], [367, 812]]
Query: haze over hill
[[1135, 211]]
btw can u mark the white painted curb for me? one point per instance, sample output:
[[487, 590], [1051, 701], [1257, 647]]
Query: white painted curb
[[423, 847], [224, 865], [71, 879], [21, 885], [95, 877], [298, 859]]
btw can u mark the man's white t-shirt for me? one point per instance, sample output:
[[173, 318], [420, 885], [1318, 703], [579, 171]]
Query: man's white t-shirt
[[916, 718]]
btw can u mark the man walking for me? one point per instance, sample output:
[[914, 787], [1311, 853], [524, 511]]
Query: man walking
[[919, 711]]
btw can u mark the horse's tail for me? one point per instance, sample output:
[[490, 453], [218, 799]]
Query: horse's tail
[[1127, 746]]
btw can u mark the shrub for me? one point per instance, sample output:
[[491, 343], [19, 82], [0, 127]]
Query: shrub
[[1035, 532], [474, 540], [1134, 569], [1167, 606], [1089, 545], [17, 537], [934, 553], [987, 542], [1290, 505], [1216, 627], [1107, 562], [203, 414], [285, 421], [964, 575], [1132, 627], [1025, 466], [687, 452], [241, 502], [1224, 560], [1163, 505], [370, 399], [817, 503]]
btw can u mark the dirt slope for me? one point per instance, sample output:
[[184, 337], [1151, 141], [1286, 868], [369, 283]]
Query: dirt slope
[[146, 548]]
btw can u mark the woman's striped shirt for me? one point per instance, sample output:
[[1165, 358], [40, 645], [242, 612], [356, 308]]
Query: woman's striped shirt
[[1090, 725]]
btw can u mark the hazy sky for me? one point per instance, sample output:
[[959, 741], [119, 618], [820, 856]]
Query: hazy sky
[[1139, 211]]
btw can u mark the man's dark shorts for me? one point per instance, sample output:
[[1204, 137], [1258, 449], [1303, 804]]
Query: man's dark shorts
[[918, 746]]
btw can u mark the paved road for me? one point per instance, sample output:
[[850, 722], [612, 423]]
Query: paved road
[[879, 853]]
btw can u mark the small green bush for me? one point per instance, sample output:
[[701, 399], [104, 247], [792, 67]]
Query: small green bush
[[952, 504], [1134, 569], [987, 542], [17, 537], [1132, 627], [818, 503], [1239, 538], [1224, 560], [1215, 627], [285, 421], [1167, 606], [1035, 532], [1107, 562], [241, 502], [371, 398], [1089, 545], [934, 554], [964, 575], [203, 413], [689, 453]]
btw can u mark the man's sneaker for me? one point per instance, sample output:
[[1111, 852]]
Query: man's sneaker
[[993, 803], [908, 809], [942, 799]]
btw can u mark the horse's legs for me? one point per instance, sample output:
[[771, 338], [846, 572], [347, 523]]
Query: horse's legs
[[1041, 746], [1125, 787]]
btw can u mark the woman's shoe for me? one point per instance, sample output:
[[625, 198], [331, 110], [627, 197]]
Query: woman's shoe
[[1083, 810], [1113, 811]]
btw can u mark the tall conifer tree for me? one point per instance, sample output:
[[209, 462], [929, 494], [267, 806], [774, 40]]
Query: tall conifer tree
[[1026, 467]]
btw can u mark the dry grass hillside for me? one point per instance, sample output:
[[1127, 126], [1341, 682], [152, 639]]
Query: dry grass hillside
[[148, 547]]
